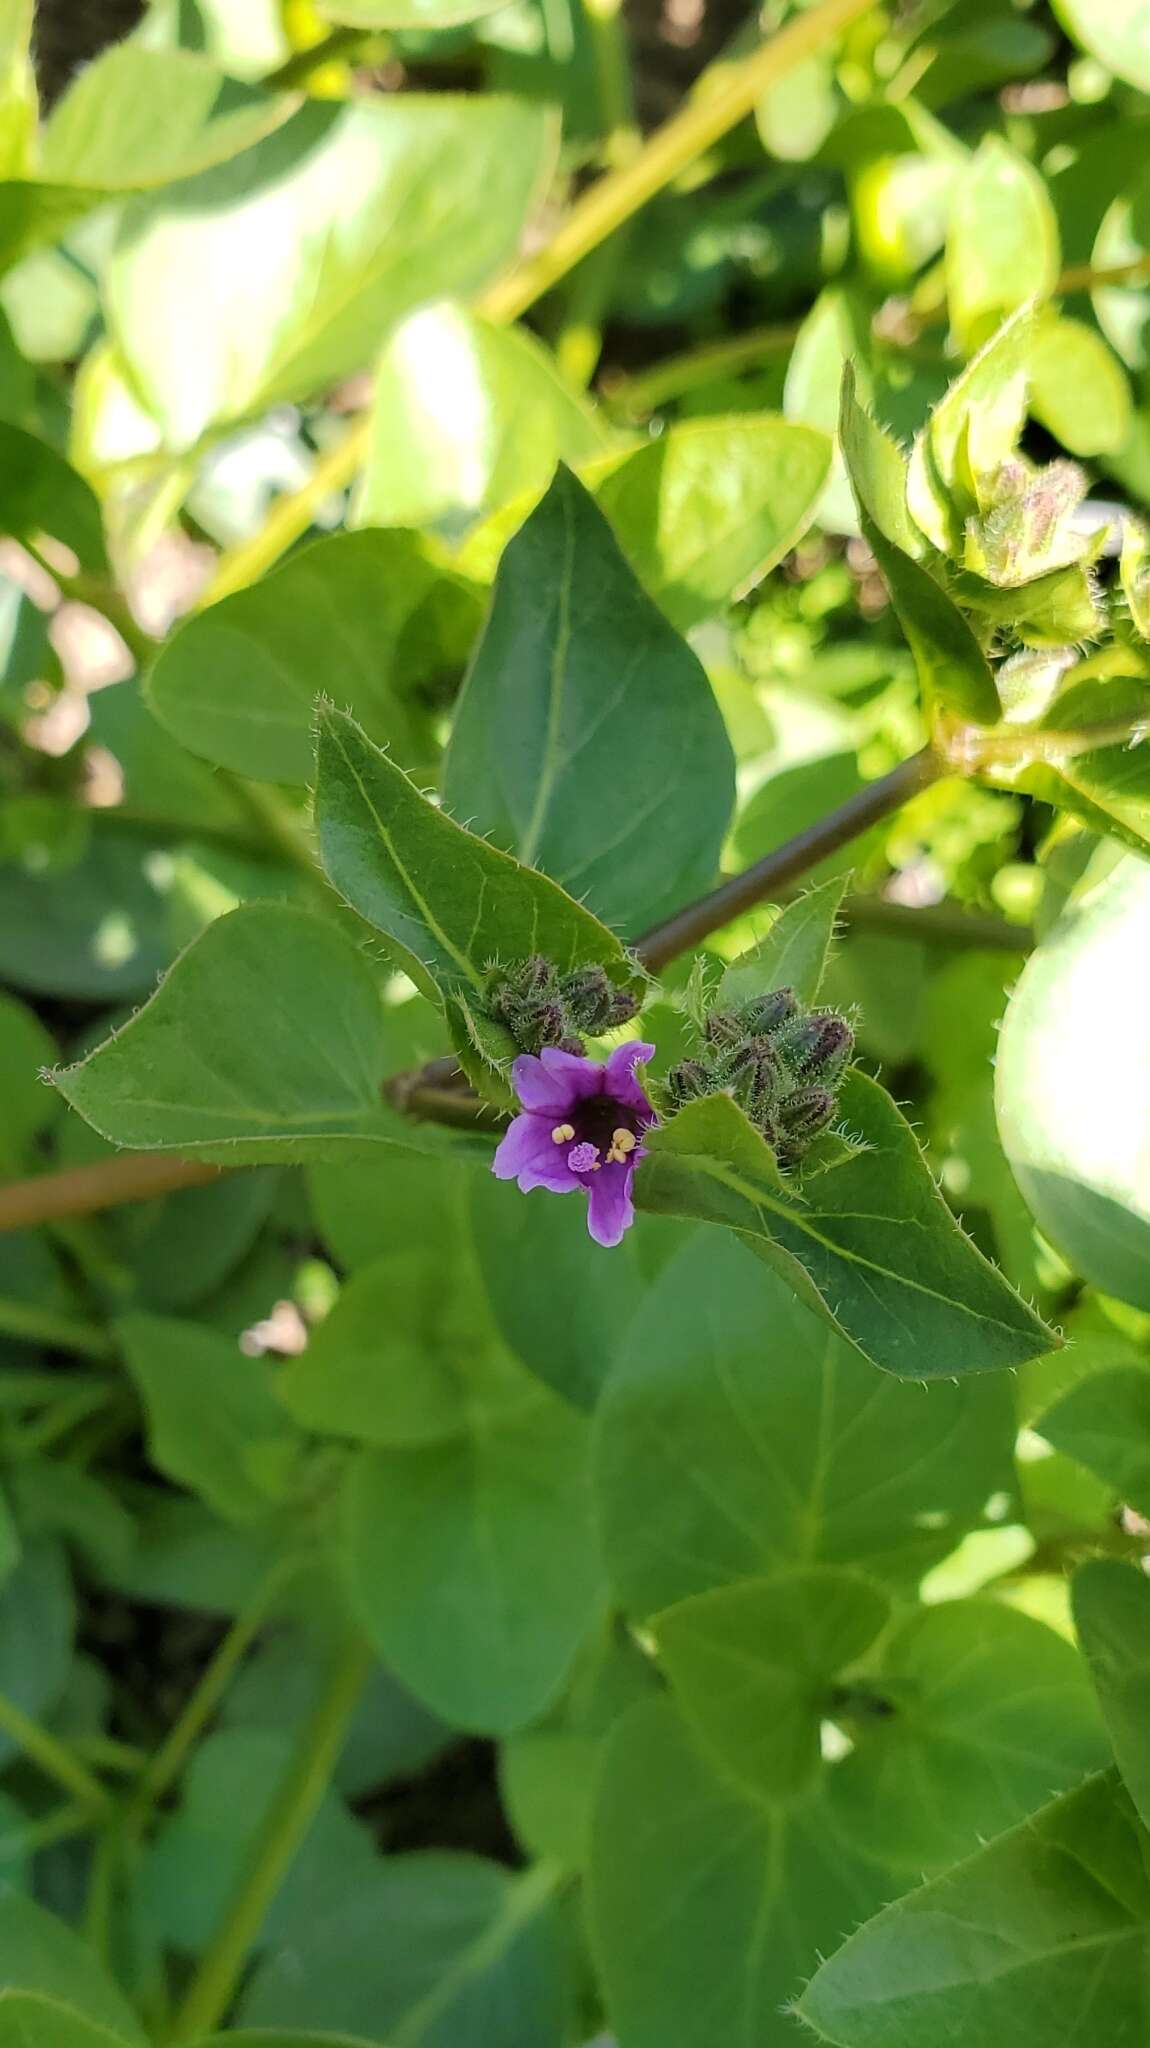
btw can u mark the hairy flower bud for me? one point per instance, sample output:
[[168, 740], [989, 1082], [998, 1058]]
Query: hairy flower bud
[[820, 1044], [687, 1081], [805, 1113], [767, 1012]]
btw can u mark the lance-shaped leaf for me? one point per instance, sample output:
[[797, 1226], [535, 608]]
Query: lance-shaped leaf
[[1112, 1616], [970, 433], [1042, 1939], [449, 904], [265, 1041], [950, 662], [587, 739], [792, 954], [870, 1243]]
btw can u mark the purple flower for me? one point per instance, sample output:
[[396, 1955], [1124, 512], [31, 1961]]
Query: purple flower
[[582, 1127]]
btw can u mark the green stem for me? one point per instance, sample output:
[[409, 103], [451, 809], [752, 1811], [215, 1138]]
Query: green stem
[[38, 1436], [644, 393], [725, 95], [730, 93], [31, 1324], [54, 1758], [757, 884], [168, 1761], [215, 1983], [60, 1826], [295, 71]]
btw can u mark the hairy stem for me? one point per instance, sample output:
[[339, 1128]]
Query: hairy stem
[[216, 1981], [696, 921]]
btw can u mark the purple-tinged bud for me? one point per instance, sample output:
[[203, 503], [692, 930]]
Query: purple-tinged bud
[[572, 1044], [623, 1007], [538, 973], [723, 1027], [821, 1044], [803, 1115], [767, 1012], [687, 1081]]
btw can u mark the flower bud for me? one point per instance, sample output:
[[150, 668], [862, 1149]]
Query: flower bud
[[687, 1081], [767, 1012], [820, 1043], [800, 1119]]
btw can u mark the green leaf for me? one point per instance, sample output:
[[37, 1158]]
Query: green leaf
[[96, 929], [951, 665], [163, 786], [1103, 1422], [1118, 35], [587, 739], [467, 1544], [750, 1666], [970, 433], [1079, 390], [25, 1103], [189, 1875], [396, 1360], [708, 1910], [473, 1959], [876, 469], [362, 617], [30, 2021], [707, 509], [40, 494], [1112, 1618], [986, 1712], [467, 417], [37, 1621], [739, 1436], [264, 1042], [1041, 1939], [568, 1332], [1107, 787], [449, 904], [133, 119], [137, 117], [214, 1423], [1002, 247], [38, 1953], [430, 195], [793, 952], [1072, 1084], [843, 1239]]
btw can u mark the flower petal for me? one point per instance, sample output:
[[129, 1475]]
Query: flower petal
[[610, 1210], [536, 1088], [576, 1076], [529, 1154], [620, 1076]]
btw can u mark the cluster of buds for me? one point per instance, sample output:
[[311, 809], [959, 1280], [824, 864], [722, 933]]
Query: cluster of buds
[[541, 1007], [780, 1061], [1025, 525]]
